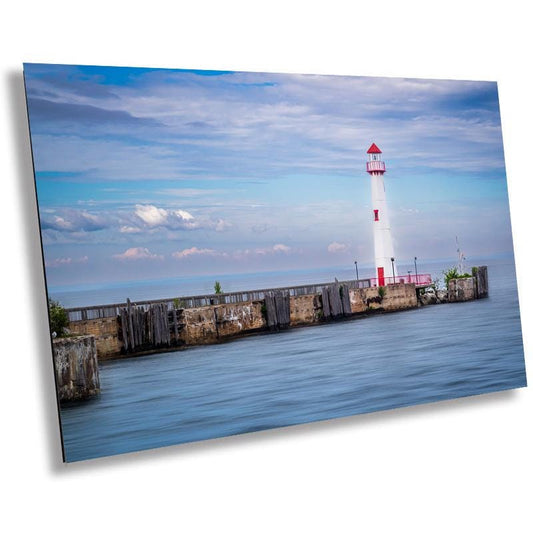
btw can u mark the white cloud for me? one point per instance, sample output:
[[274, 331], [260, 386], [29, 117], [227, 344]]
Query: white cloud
[[73, 220], [281, 248], [194, 251], [276, 249], [337, 247], [129, 229], [133, 254], [155, 217], [63, 261], [185, 215], [188, 252], [151, 215]]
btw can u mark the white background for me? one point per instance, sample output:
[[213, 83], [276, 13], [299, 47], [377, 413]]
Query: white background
[[463, 465]]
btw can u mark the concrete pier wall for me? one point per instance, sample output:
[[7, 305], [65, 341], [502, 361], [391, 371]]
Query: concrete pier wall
[[76, 367], [206, 325], [216, 323], [462, 289], [305, 310], [105, 332], [395, 298]]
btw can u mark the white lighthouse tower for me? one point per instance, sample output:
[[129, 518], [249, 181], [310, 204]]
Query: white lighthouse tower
[[383, 251]]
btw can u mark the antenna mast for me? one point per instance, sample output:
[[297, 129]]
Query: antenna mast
[[461, 258]]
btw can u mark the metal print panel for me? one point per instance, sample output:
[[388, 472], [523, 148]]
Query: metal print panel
[[228, 252]]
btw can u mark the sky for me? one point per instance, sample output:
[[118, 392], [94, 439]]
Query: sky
[[156, 173]]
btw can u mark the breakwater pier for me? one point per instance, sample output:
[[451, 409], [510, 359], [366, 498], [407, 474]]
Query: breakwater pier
[[136, 328]]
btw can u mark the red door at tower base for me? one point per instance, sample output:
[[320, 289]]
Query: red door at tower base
[[381, 276]]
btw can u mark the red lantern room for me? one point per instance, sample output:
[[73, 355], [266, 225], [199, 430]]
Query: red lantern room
[[374, 163]]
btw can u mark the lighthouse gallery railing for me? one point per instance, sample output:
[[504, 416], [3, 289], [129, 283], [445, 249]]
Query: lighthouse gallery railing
[[375, 166]]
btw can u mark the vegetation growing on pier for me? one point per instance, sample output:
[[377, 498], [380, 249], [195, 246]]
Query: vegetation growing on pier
[[218, 287], [58, 318], [453, 273]]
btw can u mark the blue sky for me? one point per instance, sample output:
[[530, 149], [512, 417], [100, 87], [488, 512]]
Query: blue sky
[[148, 173]]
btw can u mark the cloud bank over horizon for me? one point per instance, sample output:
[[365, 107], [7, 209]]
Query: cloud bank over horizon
[[177, 172]]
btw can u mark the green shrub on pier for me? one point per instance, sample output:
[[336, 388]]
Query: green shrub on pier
[[58, 318], [218, 287], [453, 273], [382, 291]]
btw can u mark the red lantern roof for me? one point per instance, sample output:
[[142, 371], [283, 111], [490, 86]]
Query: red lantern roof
[[373, 149]]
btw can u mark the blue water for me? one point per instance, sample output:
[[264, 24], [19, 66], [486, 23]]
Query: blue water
[[301, 375]]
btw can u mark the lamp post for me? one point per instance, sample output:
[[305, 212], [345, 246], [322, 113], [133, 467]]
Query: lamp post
[[393, 275], [356, 271], [416, 272]]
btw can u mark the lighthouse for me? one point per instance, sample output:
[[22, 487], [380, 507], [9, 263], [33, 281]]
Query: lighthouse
[[383, 251]]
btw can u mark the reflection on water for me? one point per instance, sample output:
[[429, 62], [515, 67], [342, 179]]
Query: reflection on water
[[303, 375]]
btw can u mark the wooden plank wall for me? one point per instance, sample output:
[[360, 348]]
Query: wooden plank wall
[[283, 309], [143, 329], [345, 299], [326, 309], [482, 282], [336, 301], [277, 304]]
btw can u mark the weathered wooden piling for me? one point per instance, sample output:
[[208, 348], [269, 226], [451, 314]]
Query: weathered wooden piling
[[345, 300], [326, 309], [336, 301], [142, 329], [482, 281], [278, 314], [175, 324], [76, 368]]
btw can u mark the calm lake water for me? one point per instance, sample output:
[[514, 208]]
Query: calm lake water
[[302, 375]]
